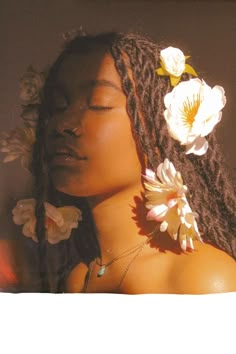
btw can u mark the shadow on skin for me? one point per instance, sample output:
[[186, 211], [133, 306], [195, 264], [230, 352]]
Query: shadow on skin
[[161, 240]]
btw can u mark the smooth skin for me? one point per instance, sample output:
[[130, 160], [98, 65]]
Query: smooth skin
[[107, 169]]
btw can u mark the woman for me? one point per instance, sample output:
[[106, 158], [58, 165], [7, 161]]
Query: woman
[[101, 126]]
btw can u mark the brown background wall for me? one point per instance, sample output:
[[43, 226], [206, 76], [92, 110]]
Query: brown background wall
[[31, 31]]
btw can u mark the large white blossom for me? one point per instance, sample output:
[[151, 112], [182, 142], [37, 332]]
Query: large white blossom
[[18, 143], [58, 221], [167, 204], [192, 110]]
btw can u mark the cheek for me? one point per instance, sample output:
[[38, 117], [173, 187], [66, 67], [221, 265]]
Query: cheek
[[110, 136], [114, 153]]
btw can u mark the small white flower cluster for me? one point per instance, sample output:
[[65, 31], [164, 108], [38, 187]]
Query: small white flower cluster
[[59, 221], [18, 143], [192, 108]]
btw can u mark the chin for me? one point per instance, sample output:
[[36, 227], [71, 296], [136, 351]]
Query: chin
[[80, 189], [64, 180], [71, 185], [68, 190], [81, 183]]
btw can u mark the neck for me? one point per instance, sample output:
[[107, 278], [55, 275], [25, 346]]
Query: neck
[[120, 221]]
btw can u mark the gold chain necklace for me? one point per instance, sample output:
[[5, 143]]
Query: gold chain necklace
[[136, 249]]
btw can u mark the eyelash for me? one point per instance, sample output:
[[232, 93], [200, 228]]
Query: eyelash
[[99, 108], [92, 108]]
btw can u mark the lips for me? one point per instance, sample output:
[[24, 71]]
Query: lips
[[65, 154]]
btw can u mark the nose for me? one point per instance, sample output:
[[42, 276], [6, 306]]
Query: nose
[[65, 130], [69, 131], [66, 124]]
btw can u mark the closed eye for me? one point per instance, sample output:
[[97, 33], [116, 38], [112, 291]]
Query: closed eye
[[99, 108]]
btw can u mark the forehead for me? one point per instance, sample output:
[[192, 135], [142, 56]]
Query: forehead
[[78, 69]]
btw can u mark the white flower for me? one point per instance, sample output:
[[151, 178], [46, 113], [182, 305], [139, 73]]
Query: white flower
[[167, 204], [173, 61], [192, 110], [18, 143], [31, 84], [24, 214], [59, 221], [173, 64]]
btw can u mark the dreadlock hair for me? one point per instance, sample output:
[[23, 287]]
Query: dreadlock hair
[[212, 194]]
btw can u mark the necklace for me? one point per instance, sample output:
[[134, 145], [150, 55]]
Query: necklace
[[126, 253], [137, 250]]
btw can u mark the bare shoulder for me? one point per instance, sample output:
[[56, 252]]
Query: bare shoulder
[[75, 280], [204, 271]]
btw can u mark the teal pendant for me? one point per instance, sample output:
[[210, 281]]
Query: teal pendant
[[101, 271]]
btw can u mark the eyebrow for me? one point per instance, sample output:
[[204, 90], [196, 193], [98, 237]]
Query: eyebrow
[[98, 83]]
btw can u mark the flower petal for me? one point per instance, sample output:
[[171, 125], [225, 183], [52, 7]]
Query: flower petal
[[157, 213], [150, 174], [171, 203], [18, 143], [54, 214], [10, 157], [183, 244], [198, 147], [190, 243], [164, 226]]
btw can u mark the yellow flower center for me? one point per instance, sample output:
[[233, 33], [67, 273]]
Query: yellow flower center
[[172, 195], [189, 109]]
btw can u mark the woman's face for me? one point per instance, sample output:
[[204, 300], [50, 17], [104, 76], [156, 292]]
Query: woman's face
[[100, 156]]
